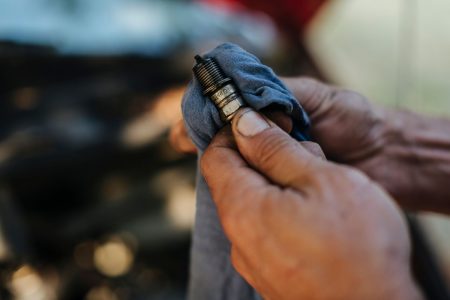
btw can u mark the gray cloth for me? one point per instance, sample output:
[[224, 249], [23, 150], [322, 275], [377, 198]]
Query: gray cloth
[[212, 276]]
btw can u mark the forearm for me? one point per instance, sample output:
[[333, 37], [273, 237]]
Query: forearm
[[415, 164]]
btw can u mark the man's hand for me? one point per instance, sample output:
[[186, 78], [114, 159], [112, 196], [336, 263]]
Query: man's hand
[[302, 227], [346, 125], [408, 154]]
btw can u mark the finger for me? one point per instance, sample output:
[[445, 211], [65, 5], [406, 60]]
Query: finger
[[180, 140], [272, 151], [283, 121], [242, 196], [314, 149], [279, 117], [313, 95], [236, 188]]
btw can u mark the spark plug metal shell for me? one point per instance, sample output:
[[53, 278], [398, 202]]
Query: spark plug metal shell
[[219, 88]]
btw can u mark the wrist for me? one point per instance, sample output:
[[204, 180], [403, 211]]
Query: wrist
[[413, 163], [393, 164]]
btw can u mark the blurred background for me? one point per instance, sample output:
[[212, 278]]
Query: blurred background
[[94, 203]]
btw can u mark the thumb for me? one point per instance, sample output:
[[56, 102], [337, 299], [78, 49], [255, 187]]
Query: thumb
[[271, 151], [313, 95]]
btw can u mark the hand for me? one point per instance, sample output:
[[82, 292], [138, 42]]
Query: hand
[[302, 227], [346, 125], [182, 143], [407, 154]]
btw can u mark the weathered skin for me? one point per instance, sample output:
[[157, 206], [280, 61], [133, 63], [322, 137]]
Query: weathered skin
[[302, 227], [407, 154]]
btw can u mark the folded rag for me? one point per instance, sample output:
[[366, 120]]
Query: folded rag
[[211, 275]]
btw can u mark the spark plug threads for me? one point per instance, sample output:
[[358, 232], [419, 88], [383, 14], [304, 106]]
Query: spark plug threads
[[218, 87]]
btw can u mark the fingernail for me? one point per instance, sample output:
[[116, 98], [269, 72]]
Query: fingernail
[[251, 123]]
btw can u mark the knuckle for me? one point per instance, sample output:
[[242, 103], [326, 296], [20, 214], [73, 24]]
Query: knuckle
[[234, 222], [207, 160], [314, 149], [355, 175], [232, 214], [239, 216], [345, 95], [269, 203], [312, 94], [226, 194], [349, 176], [316, 90], [359, 104], [309, 81]]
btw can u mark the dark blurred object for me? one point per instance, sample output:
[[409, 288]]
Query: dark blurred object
[[425, 263], [290, 15], [75, 173], [115, 27], [94, 203], [292, 18]]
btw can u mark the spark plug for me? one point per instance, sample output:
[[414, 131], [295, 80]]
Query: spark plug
[[219, 88]]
